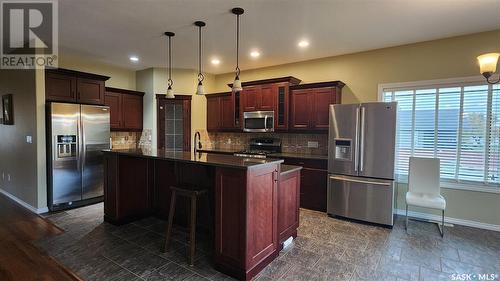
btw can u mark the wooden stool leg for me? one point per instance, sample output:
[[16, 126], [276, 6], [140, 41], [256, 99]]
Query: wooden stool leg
[[170, 220], [192, 234]]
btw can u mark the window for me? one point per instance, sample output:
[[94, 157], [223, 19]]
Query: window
[[458, 122]]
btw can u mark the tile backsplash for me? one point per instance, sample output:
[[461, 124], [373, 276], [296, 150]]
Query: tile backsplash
[[125, 140], [291, 143]]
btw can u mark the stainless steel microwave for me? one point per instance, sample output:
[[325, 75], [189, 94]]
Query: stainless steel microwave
[[258, 121]]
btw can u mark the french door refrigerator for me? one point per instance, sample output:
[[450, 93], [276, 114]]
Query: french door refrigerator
[[76, 136], [361, 148]]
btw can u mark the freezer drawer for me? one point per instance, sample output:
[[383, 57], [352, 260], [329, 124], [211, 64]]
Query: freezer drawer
[[365, 199]]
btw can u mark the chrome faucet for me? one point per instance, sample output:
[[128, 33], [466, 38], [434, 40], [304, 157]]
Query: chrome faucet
[[197, 145]]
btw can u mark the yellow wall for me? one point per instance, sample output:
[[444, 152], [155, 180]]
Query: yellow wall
[[362, 72], [120, 77]]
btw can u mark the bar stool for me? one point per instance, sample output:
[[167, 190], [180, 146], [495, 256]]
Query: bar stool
[[193, 193]]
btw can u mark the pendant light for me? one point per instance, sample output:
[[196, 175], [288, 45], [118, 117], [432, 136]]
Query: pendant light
[[237, 82], [170, 82], [199, 90]]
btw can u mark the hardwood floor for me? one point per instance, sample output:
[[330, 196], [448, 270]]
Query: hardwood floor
[[19, 258]]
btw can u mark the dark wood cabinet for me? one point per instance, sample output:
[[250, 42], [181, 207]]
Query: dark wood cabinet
[[114, 101], [313, 182], [250, 98], [288, 204], [221, 114], [63, 85], [309, 105], [126, 109], [90, 91], [59, 87], [267, 97]]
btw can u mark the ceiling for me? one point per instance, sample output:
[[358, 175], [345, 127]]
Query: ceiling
[[113, 30]]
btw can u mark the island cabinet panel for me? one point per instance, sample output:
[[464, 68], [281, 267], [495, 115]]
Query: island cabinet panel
[[247, 238], [288, 205], [262, 215], [130, 186]]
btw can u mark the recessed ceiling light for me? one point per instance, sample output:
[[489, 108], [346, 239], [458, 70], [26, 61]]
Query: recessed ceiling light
[[215, 61], [303, 43], [254, 54], [134, 59]]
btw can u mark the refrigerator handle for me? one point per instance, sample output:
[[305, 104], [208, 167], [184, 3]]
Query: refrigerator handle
[[356, 142], [362, 140]]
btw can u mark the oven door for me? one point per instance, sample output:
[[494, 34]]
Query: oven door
[[258, 121]]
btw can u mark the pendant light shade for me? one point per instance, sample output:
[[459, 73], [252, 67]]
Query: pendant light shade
[[237, 82], [200, 90], [170, 82]]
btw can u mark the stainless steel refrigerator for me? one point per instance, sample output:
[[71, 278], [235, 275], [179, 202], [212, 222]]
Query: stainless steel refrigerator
[[361, 149], [76, 136]]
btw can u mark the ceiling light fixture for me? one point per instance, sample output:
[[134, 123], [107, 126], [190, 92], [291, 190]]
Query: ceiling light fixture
[[134, 59], [215, 61], [237, 82], [303, 44], [170, 82], [254, 54], [488, 66], [199, 90]]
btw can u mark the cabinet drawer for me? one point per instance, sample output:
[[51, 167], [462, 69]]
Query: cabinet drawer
[[308, 163]]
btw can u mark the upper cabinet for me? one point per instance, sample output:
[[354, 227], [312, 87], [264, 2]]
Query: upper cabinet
[[126, 109], [63, 85], [303, 107], [221, 112], [310, 104]]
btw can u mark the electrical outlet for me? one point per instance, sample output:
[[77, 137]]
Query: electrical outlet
[[29, 139], [312, 144]]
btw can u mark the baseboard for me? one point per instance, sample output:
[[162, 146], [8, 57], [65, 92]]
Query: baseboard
[[24, 204], [449, 220]]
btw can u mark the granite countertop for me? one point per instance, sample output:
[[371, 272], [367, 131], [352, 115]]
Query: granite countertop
[[299, 155], [275, 155], [208, 159], [285, 169]]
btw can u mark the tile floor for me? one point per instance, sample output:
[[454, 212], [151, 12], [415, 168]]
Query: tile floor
[[326, 249]]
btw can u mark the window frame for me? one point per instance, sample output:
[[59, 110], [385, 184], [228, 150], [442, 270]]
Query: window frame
[[441, 83]]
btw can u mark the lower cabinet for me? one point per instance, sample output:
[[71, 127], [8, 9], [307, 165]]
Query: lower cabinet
[[288, 204], [313, 182]]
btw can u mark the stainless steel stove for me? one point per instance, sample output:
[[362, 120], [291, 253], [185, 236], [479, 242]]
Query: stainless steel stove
[[261, 148]]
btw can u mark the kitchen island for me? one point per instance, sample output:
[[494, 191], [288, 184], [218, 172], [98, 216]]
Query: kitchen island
[[243, 198]]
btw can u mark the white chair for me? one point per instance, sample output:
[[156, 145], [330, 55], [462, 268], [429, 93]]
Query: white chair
[[423, 187]]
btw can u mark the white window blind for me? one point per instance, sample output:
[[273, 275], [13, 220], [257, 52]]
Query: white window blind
[[458, 123]]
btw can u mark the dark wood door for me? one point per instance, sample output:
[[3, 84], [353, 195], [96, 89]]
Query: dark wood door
[[227, 112], [288, 205], [313, 190], [300, 110], [213, 113], [59, 87], [132, 112], [323, 97], [250, 98], [114, 101], [90, 91], [267, 98]]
